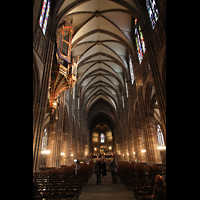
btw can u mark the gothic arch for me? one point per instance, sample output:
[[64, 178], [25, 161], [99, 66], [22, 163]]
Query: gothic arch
[[152, 109], [102, 113], [134, 105]]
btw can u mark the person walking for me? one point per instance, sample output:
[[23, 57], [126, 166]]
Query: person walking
[[104, 171], [97, 171], [114, 168]]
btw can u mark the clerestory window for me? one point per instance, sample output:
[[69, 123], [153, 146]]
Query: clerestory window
[[152, 11], [141, 49], [44, 15]]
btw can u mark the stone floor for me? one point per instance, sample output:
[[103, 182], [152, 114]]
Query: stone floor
[[106, 191]]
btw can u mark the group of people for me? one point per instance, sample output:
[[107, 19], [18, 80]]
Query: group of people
[[159, 190], [101, 168]]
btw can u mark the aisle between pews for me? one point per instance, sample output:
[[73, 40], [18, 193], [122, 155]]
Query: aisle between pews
[[106, 191]]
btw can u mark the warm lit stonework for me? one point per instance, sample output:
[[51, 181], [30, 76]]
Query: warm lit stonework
[[99, 81]]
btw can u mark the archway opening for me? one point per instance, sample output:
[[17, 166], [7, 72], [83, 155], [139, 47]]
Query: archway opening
[[101, 138]]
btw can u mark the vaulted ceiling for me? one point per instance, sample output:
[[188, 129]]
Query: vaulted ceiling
[[102, 40]]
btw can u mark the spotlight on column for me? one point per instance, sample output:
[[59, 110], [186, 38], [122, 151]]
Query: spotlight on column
[[162, 148], [45, 152]]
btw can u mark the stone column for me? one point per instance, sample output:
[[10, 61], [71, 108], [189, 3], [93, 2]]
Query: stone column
[[64, 158], [77, 134], [148, 129], [59, 131], [131, 138], [152, 53], [153, 154], [51, 157], [40, 109], [88, 142], [139, 153], [70, 121]]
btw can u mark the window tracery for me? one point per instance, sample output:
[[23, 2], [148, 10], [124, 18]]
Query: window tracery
[[44, 140], [44, 15], [131, 69], [122, 101], [152, 11], [102, 137], [126, 85], [141, 49], [160, 136]]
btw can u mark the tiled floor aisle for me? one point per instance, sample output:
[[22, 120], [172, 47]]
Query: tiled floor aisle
[[106, 191]]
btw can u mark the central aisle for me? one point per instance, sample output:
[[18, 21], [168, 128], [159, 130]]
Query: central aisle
[[106, 191]]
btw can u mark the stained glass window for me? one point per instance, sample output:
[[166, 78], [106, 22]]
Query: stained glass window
[[131, 69], [44, 15], [160, 136], [153, 12], [126, 88], [46, 18], [123, 101], [44, 140], [42, 12], [102, 137], [139, 42]]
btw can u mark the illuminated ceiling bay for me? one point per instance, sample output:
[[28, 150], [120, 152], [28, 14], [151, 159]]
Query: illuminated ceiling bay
[[101, 39]]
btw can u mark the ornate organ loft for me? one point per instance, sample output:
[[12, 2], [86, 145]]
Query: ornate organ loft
[[64, 72]]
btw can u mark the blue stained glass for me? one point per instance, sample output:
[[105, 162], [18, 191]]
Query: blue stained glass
[[42, 13], [142, 40], [153, 12], [102, 136], [46, 18], [139, 42], [131, 69], [135, 30]]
